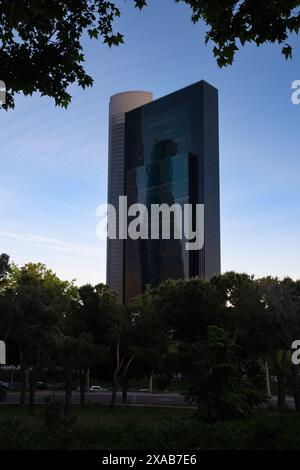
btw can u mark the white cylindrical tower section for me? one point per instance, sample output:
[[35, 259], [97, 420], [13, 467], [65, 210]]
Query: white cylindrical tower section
[[119, 105]]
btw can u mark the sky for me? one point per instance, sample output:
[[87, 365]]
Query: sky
[[54, 161]]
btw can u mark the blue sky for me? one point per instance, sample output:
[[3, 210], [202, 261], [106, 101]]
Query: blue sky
[[54, 162]]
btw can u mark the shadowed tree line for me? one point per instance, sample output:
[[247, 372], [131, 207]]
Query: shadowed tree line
[[226, 336]]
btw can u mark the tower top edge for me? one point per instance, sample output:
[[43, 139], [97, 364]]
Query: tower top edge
[[134, 92]]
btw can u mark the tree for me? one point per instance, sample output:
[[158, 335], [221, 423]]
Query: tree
[[187, 307], [282, 299], [233, 23], [6, 297], [231, 303], [41, 46], [110, 325], [4, 267], [41, 301], [150, 342], [245, 318], [83, 326], [72, 353], [221, 389]]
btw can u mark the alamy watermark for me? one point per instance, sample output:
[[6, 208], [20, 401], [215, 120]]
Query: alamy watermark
[[161, 221], [296, 93], [296, 354], [2, 93]]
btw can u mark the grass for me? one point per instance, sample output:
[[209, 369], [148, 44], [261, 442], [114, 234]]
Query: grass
[[98, 414], [128, 427], [95, 427]]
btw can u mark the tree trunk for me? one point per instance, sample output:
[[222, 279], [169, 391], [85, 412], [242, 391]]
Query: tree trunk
[[24, 373], [125, 391], [296, 386], [281, 391], [32, 388], [88, 380], [113, 400], [268, 387], [151, 383], [12, 377], [82, 386], [280, 373], [68, 393], [120, 372]]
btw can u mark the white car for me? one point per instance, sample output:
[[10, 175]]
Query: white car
[[97, 388]]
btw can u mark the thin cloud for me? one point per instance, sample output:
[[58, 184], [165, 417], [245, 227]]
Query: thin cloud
[[54, 244]]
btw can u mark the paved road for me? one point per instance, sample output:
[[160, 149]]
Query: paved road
[[135, 398]]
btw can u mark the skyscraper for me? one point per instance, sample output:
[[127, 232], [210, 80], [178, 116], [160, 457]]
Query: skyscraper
[[118, 106], [164, 152]]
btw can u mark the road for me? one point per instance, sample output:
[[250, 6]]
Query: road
[[134, 398]]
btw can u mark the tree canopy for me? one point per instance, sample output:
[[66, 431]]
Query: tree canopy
[[41, 44], [233, 23], [41, 41]]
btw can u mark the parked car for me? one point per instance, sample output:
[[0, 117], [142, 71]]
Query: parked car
[[97, 388]]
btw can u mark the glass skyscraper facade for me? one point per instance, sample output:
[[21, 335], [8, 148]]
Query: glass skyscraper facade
[[171, 156]]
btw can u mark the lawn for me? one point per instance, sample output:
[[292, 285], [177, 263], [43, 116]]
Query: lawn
[[91, 415], [148, 428], [91, 427]]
